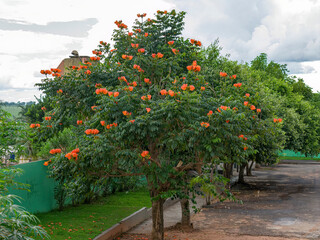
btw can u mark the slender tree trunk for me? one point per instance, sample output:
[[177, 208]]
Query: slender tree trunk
[[249, 169], [157, 220], [227, 172], [185, 209], [241, 173]]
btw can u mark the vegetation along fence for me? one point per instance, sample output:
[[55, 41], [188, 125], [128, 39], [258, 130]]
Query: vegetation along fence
[[40, 198]]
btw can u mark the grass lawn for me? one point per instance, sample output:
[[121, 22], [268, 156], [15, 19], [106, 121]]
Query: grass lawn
[[86, 221], [298, 158]]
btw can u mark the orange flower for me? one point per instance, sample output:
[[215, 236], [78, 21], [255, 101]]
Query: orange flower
[[191, 87], [223, 74], [132, 121], [146, 34], [49, 126], [116, 94], [241, 136], [102, 123], [37, 125], [110, 94], [247, 95], [141, 50], [252, 107], [227, 121], [88, 72], [134, 45], [192, 41], [237, 85], [93, 108], [163, 92], [147, 80], [32, 125], [149, 96], [130, 34], [171, 93], [202, 88], [234, 76], [224, 107], [184, 87], [47, 118], [194, 67], [145, 154], [148, 109], [125, 113], [175, 51], [43, 108], [277, 120], [245, 103], [258, 110], [171, 42], [130, 88], [134, 84], [46, 163], [210, 113], [205, 124], [245, 148], [60, 91], [79, 122], [159, 55]]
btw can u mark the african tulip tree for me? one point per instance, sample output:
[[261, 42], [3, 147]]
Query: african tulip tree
[[140, 120]]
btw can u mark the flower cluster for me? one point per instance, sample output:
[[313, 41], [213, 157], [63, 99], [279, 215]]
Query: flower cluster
[[60, 91], [186, 86], [47, 118], [73, 154], [43, 108], [103, 123], [237, 85], [175, 51], [101, 91], [223, 74], [95, 58], [145, 98], [277, 120], [141, 15], [145, 154], [171, 42], [204, 124], [158, 55], [127, 57], [195, 42], [147, 81], [224, 108], [45, 72], [125, 113], [35, 125], [97, 52], [194, 67], [137, 67], [54, 151], [120, 24], [79, 122], [243, 137], [91, 131], [141, 50], [134, 45]]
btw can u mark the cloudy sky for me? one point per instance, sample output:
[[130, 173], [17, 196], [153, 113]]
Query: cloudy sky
[[38, 34]]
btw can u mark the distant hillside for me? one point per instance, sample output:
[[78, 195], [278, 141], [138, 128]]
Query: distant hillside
[[13, 110]]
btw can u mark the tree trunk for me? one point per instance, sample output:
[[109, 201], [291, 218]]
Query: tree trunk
[[227, 172], [157, 220], [185, 210], [249, 169], [241, 173]]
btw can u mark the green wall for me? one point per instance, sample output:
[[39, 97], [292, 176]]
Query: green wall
[[41, 195]]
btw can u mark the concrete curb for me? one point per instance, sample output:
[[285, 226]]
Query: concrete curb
[[131, 221]]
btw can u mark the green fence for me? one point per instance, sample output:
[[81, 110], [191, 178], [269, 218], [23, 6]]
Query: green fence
[[41, 195], [289, 153]]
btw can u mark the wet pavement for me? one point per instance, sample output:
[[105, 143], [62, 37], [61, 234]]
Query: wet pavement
[[283, 201]]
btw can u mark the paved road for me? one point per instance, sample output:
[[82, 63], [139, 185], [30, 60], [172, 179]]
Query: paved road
[[282, 202]]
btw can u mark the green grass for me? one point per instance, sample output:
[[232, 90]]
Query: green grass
[[89, 220], [298, 158], [13, 110]]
